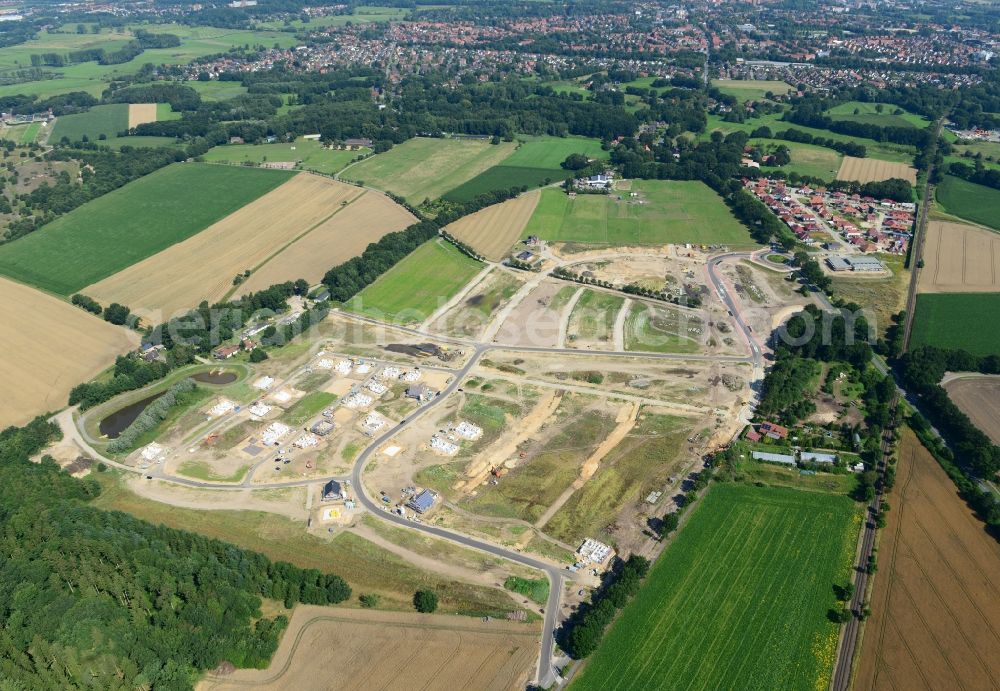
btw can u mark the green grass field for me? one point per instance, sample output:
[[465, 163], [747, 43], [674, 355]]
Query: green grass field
[[882, 151], [750, 88], [30, 133], [414, 288], [976, 203], [663, 212], [807, 159], [868, 113], [311, 154], [217, 91], [139, 142], [131, 223], [535, 160], [963, 321], [658, 330], [423, 168], [109, 120], [739, 600]]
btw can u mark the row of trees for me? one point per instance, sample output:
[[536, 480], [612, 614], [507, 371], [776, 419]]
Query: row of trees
[[810, 111], [153, 415]]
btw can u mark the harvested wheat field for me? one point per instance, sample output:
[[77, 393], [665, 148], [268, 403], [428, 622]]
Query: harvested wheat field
[[364, 221], [328, 648], [874, 170], [978, 396], [494, 230], [139, 113], [203, 266], [47, 347], [936, 602], [959, 258]]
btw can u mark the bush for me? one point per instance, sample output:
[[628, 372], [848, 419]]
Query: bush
[[425, 601], [369, 600], [87, 303], [258, 355]]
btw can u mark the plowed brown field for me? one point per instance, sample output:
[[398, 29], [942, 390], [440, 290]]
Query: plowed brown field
[[47, 347], [495, 229], [979, 398], [326, 648], [874, 170], [936, 600], [203, 266], [345, 235], [959, 258], [139, 113]]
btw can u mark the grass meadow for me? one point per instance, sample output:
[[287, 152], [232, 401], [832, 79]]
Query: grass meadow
[[663, 212], [976, 203], [414, 288], [751, 88], [807, 159], [131, 223], [965, 321], [868, 114], [425, 168], [311, 154], [109, 120], [535, 161], [739, 599]]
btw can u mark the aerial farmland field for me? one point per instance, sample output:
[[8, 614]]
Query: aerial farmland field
[[203, 266], [739, 599], [958, 320], [535, 160], [976, 203], [661, 212], [874, 170], [960, 258], [751, 88], [869, 113], [936, 598], [415, 287], [423, 168], [494, 230], [807, 159], [109, 120], [47, 347], [131, 223], [310, 154]]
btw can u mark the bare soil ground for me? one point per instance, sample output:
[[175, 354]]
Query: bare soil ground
[[47, 347], [535, 320], [874, 170], [139, 113], [328, 648], [978, 396], [203, 266], [495, 229], [960, 258], [936, 598], [345, 235], [474, 312]]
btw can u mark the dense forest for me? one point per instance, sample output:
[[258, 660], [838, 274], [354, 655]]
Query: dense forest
[[97, 599]]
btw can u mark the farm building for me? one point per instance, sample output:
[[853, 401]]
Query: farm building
[[782, 458], [225, 352], [332, 491], [773, 431], [810, 457], [423, 502]]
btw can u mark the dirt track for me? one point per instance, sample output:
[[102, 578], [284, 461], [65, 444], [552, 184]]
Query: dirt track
[[979, 398], [936, 600], [494, 230], [334, 648], [874, 170], [960, 258], [47, 347]]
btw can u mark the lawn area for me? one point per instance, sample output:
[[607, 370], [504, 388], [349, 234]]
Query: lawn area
[[965, 321], [868, 113], [968, 200], [807, 159], [751, 89], [309, 153], [882, 151], [658, 330], [535, 161], [664, 211], [740, 598], [109, 120], [593, 317], [366, 566], [424, 168], [131, 223], [414, 288]]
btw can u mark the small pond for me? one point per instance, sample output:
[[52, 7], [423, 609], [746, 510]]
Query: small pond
[[216, 376], [118, 421]]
